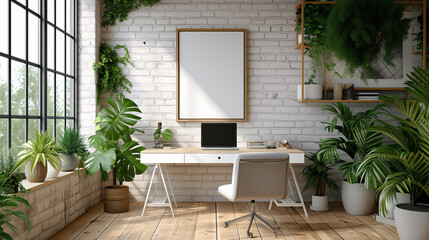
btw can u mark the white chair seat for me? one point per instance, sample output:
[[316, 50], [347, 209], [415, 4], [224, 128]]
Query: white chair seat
[[227, 191]]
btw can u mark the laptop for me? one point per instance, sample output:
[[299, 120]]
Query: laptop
[[219, 136]]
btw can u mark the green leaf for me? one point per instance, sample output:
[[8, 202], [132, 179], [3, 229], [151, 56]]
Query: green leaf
[[103, 160], [167, 134]]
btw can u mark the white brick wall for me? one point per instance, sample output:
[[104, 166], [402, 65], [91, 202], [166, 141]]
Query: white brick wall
[[274, 72]]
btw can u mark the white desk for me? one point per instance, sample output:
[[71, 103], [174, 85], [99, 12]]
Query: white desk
[[196, 155]]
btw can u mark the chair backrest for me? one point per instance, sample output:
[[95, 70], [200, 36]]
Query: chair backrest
[[259, 176]]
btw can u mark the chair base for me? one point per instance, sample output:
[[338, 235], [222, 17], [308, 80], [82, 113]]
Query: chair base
[[253, 216]]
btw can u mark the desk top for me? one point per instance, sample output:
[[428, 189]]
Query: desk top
[[199, 150]]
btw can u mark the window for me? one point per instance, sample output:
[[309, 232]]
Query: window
[[38, 81]]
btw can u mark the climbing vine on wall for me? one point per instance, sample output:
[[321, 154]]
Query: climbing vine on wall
[[119, 9]]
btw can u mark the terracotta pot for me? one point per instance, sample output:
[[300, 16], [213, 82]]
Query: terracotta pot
[[116, 199], [412, 222], [357, 200], [39, 173]]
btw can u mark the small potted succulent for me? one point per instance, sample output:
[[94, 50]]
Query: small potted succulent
[[71, 145], [36, 155], [317, 176], [167, 134]]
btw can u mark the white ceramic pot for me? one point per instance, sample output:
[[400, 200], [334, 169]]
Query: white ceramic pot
[[319, 203], [412, 223], [70, 162], [391, 203], [311, 91], [52, 172], [357, 200]]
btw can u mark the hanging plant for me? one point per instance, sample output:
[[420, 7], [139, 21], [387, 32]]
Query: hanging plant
[[419, 36], [110, 77], [119, 9], [359, 32]]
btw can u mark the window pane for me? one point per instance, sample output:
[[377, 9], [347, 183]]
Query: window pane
[[70, 56], [4, 69], [23, 2], [69, 123], [51, 47], [18, 88], [50, 94], [70, 16], [3, 132], [50, 127], [51, 11], [69, 98], [60, 95], [4, 26], [33, 90], [33, 38], [60, 128], [34, 5], [18, 31], [59, 60], [33, 126], [60, 14], [18, 132]]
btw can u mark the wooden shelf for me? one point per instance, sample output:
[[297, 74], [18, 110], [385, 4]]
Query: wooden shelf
[[344, 101], [375, 89]]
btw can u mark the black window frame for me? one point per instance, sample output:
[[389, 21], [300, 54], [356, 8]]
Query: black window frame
[[43, 66]]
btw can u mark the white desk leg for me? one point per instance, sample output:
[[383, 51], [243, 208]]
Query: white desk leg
[[171, 186], [271, 204], [148, 191], [166, 191], [298, 189], [156, 181]]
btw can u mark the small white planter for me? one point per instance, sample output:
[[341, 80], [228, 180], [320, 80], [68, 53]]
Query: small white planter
[[311, 91], [400, 198], [52, 172], [70, 162], [319, 203], [357, 200], [412, 224]]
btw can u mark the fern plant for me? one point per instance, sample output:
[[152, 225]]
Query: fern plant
[[110, 76], [119, 9]]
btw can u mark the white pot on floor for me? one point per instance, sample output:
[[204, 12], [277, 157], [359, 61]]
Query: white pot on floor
[[391, 204], [357, 200], [412, 223], [311, 91], [319, 203]]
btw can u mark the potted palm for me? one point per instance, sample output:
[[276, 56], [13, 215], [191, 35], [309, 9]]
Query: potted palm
[[71, 145], [356, 142], [410, 157], [36, 155], [115, 150], [317, 176]]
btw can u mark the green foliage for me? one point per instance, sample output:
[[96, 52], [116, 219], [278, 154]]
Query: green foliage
[[405, 164], [11, 181], [110, 77], [167, 134], [317, 175], [359, 32], [356, 141], [42, 149], [114, 147], [115, 9], [419, 36], [71, 142]]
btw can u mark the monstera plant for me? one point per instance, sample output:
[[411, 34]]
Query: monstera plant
[[115, 150]]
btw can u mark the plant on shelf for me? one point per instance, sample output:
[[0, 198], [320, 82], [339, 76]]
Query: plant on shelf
[[374, 29], [36, 155], [356, 141], [11, 181], [167, 134], [404, 166], [317, 176], [7, 202], [72, 145], [119, 9], [110, 76], [114, 148]]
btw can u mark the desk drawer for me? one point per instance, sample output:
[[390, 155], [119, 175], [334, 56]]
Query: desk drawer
[[210, 158], [148, 158]]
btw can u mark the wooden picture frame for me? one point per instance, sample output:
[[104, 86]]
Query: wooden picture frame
[[211, 75]]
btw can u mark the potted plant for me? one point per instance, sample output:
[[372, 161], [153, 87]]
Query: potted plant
[[317, 176], [167, 134], [11, 180], [115, 150], [36, 155], [356, 142], [71, 145], [410, 156]]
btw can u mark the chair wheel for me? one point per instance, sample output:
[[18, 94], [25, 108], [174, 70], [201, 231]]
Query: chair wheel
[[225, 225], [276, 234], [249, 234]]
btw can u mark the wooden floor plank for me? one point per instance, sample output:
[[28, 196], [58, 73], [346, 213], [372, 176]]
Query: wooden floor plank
[[318, 225], [97, 227], [167, 224], [206, 221], [78, 225], [241, 209], [225, 212], [139, 223], [309, 234], [149, 231], [339, 226], [185, 228], [283, 223], [261, 208], [380, 228]]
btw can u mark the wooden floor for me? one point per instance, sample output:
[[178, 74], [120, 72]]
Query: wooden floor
[[204, 220]]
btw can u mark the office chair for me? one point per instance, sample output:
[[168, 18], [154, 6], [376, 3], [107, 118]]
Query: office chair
[[257, 176]]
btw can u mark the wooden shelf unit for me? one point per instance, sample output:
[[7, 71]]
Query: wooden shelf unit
[[302, 47]]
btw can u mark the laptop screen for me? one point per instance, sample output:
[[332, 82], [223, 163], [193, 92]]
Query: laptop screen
[[219, 135]]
